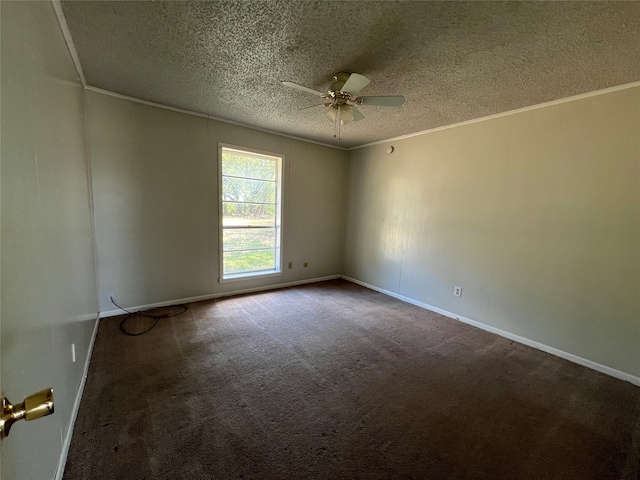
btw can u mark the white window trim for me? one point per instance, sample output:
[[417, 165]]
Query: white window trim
[[279, 219]]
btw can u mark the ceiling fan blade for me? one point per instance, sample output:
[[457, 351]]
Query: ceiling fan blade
[[304, 89], [391, 101], [355, 83], [357, 115], [312, 106]]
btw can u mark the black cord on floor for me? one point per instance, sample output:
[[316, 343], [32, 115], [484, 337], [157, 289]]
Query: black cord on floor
[[142, 314]]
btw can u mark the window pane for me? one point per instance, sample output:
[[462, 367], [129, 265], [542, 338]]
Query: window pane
[[240, 165], [248, 261], [248, 238], [250, 193], [245, 190], [248, 214]]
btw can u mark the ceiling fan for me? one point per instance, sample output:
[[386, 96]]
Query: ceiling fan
[[342, 98]]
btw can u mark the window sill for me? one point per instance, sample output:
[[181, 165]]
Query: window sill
[[249, 276]]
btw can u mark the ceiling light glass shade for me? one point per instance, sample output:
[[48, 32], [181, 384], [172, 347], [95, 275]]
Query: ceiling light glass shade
[[331, 113], [344, 113]]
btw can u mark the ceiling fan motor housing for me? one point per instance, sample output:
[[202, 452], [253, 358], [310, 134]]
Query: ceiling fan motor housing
[[340, 98]]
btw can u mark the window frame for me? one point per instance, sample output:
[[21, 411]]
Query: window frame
[[280, 174]]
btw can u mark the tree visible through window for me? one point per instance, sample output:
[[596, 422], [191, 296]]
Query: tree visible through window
[[251, 191]]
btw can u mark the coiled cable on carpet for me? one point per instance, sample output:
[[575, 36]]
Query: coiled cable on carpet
[[142, 314]]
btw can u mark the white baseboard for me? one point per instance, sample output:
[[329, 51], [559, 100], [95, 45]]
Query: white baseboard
[[503, 333], [371, 287], [76, 405], [112, 313]]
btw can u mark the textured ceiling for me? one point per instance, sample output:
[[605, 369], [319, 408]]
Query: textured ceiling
[[453, 61]]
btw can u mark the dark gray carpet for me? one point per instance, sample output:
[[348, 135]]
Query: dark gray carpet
[[335, 381]]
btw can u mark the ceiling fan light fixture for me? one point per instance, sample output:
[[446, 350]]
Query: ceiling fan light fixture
[[343, 113], [346, 114], [331, 113]]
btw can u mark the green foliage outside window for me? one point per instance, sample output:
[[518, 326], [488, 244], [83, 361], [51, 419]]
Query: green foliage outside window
[[249, 196]]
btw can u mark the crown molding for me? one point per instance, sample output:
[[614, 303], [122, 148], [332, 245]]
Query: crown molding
[[581, 96], [69, 40], [74, 55]]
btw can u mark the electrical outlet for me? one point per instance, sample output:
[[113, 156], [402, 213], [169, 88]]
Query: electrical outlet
[[73, 352], [110, 297], [457, 291]]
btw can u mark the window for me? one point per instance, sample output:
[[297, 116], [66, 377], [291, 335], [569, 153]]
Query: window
[[250, 213]]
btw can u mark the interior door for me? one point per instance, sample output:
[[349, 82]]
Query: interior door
[[48, 299]]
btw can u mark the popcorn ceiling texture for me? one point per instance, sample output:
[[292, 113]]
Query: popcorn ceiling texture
[[453, 61]]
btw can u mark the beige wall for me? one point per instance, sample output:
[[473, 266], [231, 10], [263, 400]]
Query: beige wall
[[48, 282], [155, 189], [536, 215]]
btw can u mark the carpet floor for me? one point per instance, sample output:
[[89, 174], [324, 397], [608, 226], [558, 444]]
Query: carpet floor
[[335, 381]]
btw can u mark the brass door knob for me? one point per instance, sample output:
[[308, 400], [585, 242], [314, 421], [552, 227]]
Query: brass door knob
[[34, 406]]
